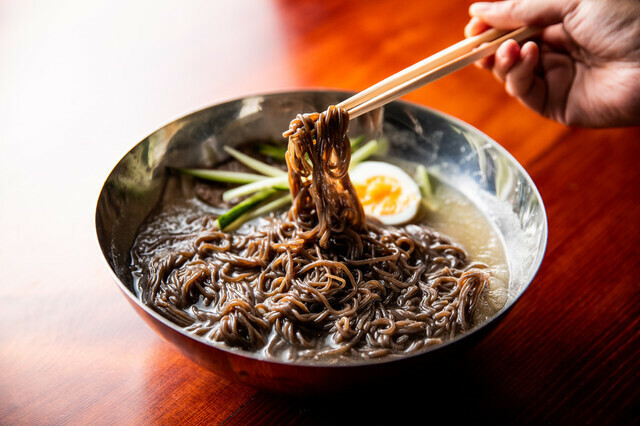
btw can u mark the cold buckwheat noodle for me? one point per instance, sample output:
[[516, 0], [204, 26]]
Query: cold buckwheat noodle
[[320, 281]]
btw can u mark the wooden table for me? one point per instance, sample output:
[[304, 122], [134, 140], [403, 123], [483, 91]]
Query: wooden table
[[82, 82]]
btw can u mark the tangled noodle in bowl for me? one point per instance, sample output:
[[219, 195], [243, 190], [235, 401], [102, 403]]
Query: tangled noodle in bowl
[[319, 296], [320, 281]]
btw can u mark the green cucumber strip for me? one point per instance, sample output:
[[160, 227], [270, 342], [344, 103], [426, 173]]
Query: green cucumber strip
[[366, 151], [241, 208], [254, 164], [280, 182], [222, 175], [275, 152], [356, 141], [422, 179], [426, 190], [270, 206], [260, 211]]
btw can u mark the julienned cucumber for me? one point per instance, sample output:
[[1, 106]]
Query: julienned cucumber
[[259, 211], [356, 141], [254, 164], [280, 182], [239, 209], [364, 152], [262, 187], [278, 152], [422, 179], [426, 190], [223, 175]]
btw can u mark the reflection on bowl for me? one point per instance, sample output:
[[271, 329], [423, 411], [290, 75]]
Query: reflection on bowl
[[461, 156]]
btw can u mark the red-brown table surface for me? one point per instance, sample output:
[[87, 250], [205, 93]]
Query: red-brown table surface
[[82, 82]]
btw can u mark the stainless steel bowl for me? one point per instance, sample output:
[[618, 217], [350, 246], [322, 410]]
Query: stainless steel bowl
[[461, 155]]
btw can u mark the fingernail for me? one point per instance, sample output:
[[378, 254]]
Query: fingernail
[[479, 8]]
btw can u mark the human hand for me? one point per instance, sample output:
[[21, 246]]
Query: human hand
[[585, 70]]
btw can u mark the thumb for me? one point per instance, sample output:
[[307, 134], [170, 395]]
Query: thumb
[[515, 13]]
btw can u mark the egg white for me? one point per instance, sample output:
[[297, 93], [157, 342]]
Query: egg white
[[409, 189]]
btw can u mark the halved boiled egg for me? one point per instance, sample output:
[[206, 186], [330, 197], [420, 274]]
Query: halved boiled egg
[[386, 191]]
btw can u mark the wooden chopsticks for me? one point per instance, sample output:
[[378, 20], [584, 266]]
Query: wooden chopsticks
[[432, 68]]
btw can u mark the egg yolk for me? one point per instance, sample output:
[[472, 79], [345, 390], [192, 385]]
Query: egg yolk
[[381, 195]]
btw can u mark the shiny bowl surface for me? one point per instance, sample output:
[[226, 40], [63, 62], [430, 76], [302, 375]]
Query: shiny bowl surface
[[461, 156]]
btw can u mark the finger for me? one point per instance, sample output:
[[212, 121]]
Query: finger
[[485, 63], [515, 13], [475, 26], [520, 77], [522, 83], [506, 57], [557, 38]]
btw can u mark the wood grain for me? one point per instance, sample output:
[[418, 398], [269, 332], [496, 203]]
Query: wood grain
[[82, 82]]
